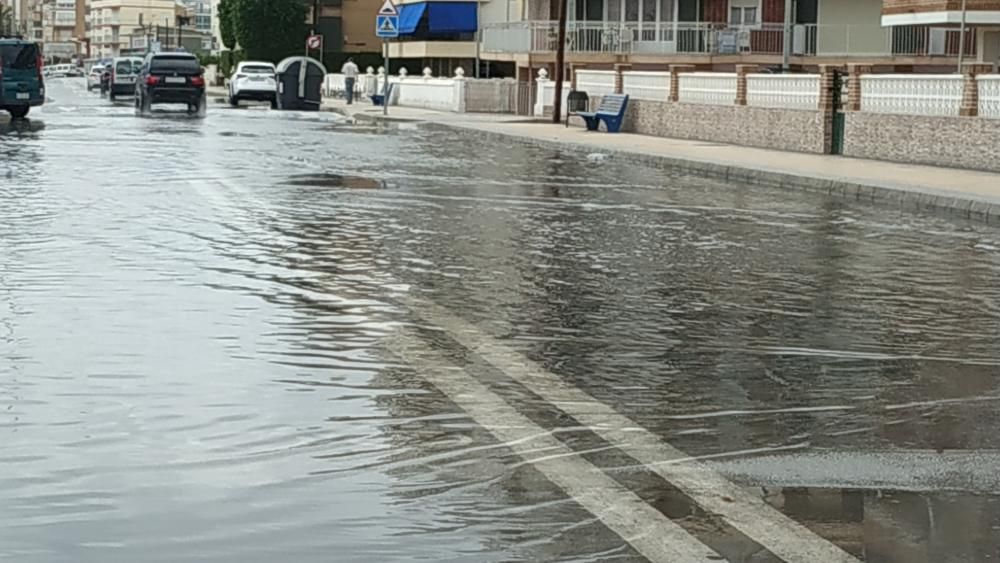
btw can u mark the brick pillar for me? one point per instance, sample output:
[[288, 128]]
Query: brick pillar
[[675, 83], [826, 83], [970, 92], [854, 74], [619, 79], [741, 82]]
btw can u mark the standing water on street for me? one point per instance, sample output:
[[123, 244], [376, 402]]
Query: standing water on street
[[261, 336]]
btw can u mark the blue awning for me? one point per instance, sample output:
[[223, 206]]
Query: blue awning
[[409, 17], [451, 17]]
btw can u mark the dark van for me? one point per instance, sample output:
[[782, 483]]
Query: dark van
[[21, 84]]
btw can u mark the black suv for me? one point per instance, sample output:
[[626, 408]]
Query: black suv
[[170, 78]]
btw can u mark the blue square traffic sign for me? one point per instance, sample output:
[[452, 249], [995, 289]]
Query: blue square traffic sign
[[387, 26]]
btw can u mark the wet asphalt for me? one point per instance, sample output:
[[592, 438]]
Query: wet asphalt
[[197, 318]]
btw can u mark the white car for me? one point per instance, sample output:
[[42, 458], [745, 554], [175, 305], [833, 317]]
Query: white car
[[254, 80], [94, 78]]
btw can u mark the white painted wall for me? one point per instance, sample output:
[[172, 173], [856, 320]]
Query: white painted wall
[[851, 26]]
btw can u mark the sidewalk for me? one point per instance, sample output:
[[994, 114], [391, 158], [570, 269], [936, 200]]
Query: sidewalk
[[963, 192]]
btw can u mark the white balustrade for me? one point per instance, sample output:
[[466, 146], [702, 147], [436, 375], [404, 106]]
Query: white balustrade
[[595, 82], [546, 94], [717, 88], [791, 91], [641, 85], [989, 95], [914, 94]]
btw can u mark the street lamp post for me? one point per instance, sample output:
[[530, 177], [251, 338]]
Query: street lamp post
[[560, 62], [786, 50], [961, 40]]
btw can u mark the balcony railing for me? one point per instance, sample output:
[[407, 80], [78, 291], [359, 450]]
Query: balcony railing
[[667, 38]]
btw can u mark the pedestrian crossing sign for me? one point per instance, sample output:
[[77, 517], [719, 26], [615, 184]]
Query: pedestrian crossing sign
[[387, 26], [388, 9]]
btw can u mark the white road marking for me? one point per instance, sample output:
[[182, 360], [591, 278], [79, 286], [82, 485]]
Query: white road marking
[[647, 530], [744, 511]]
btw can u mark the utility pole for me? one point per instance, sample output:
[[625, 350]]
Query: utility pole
[[786, 51], [560, 63], [961, 40]]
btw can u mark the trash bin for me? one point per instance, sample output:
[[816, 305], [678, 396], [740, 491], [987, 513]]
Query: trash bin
[[576, 101], [300, 83]]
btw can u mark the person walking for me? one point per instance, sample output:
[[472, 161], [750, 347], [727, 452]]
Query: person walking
[[350, 72]]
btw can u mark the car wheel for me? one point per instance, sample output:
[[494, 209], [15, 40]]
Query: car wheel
[[274, 103], [19, 112], [234, 100]]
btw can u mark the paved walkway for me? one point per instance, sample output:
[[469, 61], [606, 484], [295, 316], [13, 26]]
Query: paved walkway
[[968, 192]]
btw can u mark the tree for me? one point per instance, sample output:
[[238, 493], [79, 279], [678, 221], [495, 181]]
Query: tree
[[226, 24], [269, 30]]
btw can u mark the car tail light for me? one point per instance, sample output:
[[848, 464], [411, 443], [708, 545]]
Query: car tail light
[[39, 63], [239, 76], [197, 81], [152, 80]]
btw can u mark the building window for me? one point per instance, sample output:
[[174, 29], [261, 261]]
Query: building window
[[744, 13]]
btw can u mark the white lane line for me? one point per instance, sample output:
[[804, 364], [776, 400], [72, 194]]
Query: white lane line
[[745, 512], [647, 530]]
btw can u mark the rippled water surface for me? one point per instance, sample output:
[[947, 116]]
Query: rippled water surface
[[197, 317]]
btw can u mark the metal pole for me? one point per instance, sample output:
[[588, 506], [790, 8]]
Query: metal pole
[[961, 40], [787, 39], [385, 87], [560, 62], [479, 37]]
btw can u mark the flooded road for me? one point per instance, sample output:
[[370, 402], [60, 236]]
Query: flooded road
[[268, 336]]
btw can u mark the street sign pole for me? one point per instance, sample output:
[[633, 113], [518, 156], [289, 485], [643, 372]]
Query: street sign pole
[[385, 87], [386, 27]]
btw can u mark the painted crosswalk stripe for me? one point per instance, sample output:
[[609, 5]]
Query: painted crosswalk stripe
[[761, 522], [648, 531]]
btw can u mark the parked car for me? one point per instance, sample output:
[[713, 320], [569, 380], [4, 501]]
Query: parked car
[[170, 78], [94, 78], [254, 80], [21, 83], [121, 81]]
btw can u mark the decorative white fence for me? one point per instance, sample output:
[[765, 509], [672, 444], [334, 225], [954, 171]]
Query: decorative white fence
[[547, 94], [333, 85], [791, 91], [443, 94], [717, 88], [915, 94], [653, 86], [989, 95], [596, 82]]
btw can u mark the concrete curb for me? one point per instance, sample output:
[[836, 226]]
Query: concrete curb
[[905, 197]]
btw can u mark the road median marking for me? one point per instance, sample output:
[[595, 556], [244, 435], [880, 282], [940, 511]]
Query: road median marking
[[751, 515], [647, 530]]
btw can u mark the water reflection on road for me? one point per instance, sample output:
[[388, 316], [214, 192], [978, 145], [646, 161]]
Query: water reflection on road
[[193, 360]]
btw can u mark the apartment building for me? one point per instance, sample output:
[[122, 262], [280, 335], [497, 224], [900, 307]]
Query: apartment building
[[440, 35], [114, 22], [348, 30], [60, 32], [910, 35]]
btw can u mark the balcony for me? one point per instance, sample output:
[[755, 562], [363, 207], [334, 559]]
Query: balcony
[[939, 12], [711, 39]]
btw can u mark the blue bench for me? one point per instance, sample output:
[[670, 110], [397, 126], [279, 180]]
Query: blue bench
[[611, 112]]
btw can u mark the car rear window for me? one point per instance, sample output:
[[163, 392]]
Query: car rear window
[[19, 56], [187, 65], [123, 67], [258, 70]]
